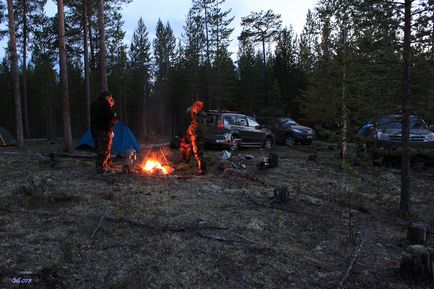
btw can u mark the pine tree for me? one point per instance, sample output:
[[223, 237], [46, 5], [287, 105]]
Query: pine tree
[[102, 48], [285, 69], [140, 69], [27, 13], [67, 137], [249, 79], [164, 53], [117, 63], [193, 41], [261, 27], [15, 76]]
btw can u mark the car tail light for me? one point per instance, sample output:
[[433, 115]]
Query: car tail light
[[220, 124]]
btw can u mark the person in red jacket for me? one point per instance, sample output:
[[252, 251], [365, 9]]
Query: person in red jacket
[[196, 133]]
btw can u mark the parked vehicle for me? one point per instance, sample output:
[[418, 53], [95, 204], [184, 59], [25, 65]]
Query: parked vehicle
[[386, 132], [231, 130], [289, 132]]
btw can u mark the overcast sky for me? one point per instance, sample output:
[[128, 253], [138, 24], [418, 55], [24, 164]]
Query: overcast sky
[[293, 13]]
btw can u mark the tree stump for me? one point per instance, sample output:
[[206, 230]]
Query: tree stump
[[417, 233], [281, 194], [313, 157], [418, 264]]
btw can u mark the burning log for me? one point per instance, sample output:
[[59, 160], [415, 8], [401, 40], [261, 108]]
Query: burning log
[[154, 167]]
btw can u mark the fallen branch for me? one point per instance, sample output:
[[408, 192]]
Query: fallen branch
[[50, 155], [99, 224], [246, 239], [170, 228], [353, 261], [226, 239], [154, 145], [217, 238]]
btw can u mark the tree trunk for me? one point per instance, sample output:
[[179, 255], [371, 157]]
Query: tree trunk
[[265, 72], [344, 131], [102, 49], [162, 114], [145, 113], [15, 76], [208, 56], [24, 80], [219, 88], [404, 206], [86, 63], [67, 136], [91, 46]]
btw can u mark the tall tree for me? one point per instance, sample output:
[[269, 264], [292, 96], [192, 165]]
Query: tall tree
[[249, 79], [102, 48], [285, 69], [202, 9], [219, 35], [84, 26], [193, 41], [404, 205], [140, 62], [261, 27], [308, 42], [117, 63], [29, 14], [164, 53], [15, 76], [67, 134]]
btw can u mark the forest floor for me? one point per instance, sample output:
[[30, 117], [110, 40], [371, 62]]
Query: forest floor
[[64, 226]]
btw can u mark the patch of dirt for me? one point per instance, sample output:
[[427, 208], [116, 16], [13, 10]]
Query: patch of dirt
[[64, 226]]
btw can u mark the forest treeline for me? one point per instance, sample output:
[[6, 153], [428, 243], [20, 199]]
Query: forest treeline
[[343, 69]]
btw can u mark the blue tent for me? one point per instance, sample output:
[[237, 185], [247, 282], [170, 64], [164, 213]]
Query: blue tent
[[122, 142]]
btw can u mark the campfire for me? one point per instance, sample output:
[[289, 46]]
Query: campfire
[[154, 167]]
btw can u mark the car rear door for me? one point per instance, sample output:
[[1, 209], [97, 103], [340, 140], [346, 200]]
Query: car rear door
[[241, 125], [256, 133], [211, 124]]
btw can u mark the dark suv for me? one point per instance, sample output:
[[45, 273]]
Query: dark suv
[[387, 132], [230, 129], [289, 132]]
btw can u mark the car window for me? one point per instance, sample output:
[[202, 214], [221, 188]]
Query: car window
[[287, 123], [229, 120], [252, 122], [395, 123], [389, 122], [241, 121], [417, 123]]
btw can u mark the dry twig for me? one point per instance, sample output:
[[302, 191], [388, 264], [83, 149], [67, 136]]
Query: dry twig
[[353, 261], [169, 228], [99, 224], [217, 238]]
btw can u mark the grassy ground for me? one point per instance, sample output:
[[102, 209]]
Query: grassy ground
[[74, 229]]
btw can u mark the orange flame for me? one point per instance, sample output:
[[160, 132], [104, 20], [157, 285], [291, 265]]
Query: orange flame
[[154, 166]]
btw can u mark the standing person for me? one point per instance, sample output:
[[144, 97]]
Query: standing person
[[196, 132], [102, 121]]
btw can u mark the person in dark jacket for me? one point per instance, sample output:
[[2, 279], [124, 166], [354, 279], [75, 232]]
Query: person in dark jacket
[[196, 132], [102, 121]]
